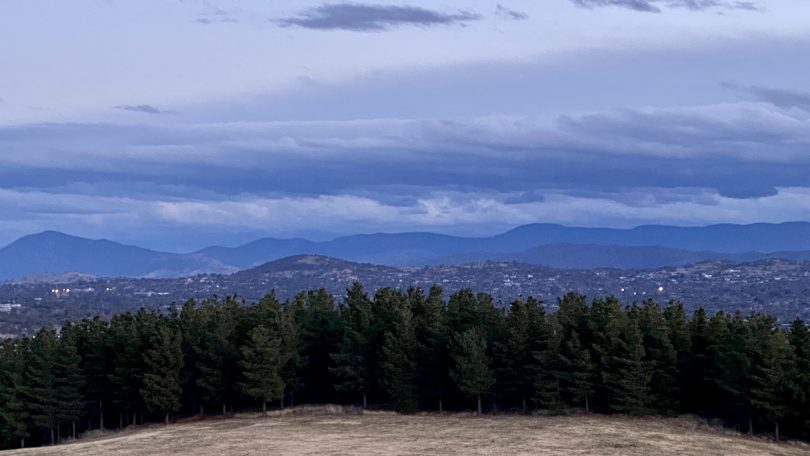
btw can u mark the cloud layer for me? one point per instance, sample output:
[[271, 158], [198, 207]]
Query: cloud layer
[[372, 18]]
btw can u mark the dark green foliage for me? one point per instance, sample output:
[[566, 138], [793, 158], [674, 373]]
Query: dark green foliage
[[471, 369], [353, 364], [70, 379], [407, 350], [660, 355], [263, 359], [431, 353], [626, 374], [163, 361], [14, 414], [399, 354], [42, 387], [217, 355]]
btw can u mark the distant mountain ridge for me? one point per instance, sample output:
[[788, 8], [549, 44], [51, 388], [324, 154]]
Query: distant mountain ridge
[[553, 245]]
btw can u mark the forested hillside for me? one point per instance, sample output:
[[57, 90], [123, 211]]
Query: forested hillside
[[407, 351]]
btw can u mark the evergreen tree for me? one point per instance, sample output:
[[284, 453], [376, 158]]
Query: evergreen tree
[[162, 389], [96, 362], [262, 362], [14, 416], [471, 369], [353, 359], [127, 347], [398, 361], [320, 333], [770, 376], [217, 354], [70, 379], [191, 326], [432, 358], [626, 374], [516, 363], [661, 356], [575, 371], [799, 338], [681, 339], [41, 379]]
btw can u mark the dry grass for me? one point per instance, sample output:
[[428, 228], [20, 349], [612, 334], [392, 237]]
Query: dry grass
[[333, 430]]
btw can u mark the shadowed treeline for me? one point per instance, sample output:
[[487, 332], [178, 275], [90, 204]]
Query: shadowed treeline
[[406, 350]]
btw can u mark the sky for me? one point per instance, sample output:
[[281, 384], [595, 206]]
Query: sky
[[176, 124]]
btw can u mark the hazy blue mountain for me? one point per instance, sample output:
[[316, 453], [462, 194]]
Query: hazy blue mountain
[[546, 244], [52, 252], [424, 248]]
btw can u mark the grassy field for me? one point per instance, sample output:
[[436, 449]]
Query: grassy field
[[329, 431]]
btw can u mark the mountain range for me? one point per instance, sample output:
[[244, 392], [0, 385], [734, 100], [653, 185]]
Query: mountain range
[[552, 245]]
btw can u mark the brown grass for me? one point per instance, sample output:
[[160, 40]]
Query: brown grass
[[332, 430]]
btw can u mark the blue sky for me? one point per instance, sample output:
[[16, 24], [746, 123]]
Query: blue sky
[[177, 124]]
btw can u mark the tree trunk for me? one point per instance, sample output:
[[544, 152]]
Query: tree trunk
[[441, 405], [22, 442], [750, 426], [74, 429], [479, 405], [53, 442], [167, 418], [524, 405], [587, 404], [365, 401], [202, 408], [100, 415], [264, 407], [224, 409], [292, 398], [134, 417], [120, 420], [281, 402], [776, 430]]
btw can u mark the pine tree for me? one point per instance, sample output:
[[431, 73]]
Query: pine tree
[[770, 381], [161, 389], [626, 374], [517, 366], [14, 416], [730, 344], [217, 354], [319, 334], [799, 338], [352, 361], [661, 356], [191, 327], [398, 363], [262, 361], [96, 362], [127, 348], [41, 379], [681, 339], [432, 358], [471, 369], [70, 379], [575, 371]]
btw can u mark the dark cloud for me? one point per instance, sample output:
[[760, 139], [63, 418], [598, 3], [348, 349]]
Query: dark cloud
[[654, 6], [508, 13], [372, 18], [142, 108], [778, 97]]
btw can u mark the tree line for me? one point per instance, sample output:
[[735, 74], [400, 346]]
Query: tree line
[[406, 350]]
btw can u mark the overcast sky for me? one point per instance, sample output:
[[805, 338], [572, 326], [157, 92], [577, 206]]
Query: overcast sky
[[177, 124]]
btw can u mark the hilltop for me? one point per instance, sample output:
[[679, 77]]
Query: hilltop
[[379, 433]]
